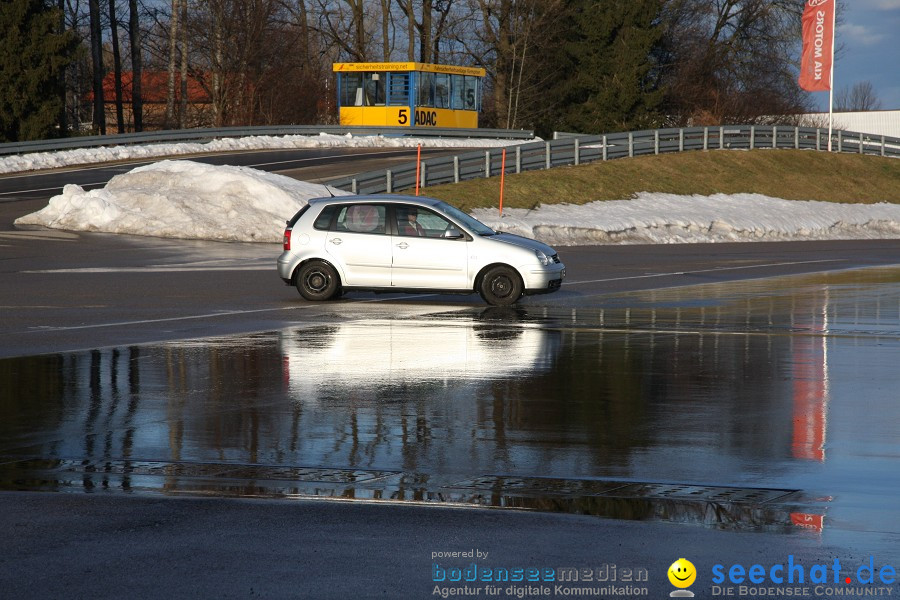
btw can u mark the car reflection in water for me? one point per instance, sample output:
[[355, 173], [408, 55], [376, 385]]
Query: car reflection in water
[[384, 358], [418, 394]]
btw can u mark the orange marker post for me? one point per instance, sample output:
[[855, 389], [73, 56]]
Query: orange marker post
[[418, 163], [502, 178]]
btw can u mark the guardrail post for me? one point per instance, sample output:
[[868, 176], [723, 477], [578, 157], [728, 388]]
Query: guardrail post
[[388, 181], [455, 168], [518, 159], [681, 140], [577, 152], [424, 181], [706, 138], [752, 136], [861, 144], [840, 141], [818, 139], [487, 164], [796, 138], [882, 145], [353, 187], [774, 137], [721, 138], [547, 163], [630, 145], [656, 141], [605, 149]]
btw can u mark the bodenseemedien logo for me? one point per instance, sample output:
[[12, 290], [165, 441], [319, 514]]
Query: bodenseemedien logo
[[682, 575]]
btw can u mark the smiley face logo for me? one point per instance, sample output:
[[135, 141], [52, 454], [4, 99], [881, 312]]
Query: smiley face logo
[[682, 573]]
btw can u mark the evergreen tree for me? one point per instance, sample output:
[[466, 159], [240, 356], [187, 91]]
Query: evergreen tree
[[610, 70], [33, 56]]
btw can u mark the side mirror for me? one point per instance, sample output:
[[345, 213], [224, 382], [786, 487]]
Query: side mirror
[[453, 234]]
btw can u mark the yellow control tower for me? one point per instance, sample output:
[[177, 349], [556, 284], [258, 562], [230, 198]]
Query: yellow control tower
[[408, 94]]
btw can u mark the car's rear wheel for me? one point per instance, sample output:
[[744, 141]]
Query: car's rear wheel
[[501, 286], [317, 280]]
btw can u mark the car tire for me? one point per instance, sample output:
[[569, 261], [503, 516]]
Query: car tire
[[317, 280], [501, 286]]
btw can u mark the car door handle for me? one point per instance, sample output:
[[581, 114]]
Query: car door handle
[[336, 241], [403, 245]]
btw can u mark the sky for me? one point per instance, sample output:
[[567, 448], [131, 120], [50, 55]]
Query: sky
[[186, 199], [871, 50]]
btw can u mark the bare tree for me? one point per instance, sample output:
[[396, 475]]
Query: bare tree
[[860, 97], [428, 24], [117, 65], [426, 32], [409, 10], [731, 60], [511, 39], [183, 71], [386, 30], [445, 11], [344, 24], [134, 35], [99, 112], [259, 60], [173, 56]]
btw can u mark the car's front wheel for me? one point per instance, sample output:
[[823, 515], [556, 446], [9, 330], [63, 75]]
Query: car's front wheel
[[501, 286], [317, 280]]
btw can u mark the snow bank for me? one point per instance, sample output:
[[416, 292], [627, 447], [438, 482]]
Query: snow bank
[[654, 218], [81, 156], [183, 199]]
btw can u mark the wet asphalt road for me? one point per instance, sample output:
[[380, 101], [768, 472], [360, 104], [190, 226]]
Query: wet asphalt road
[[730, 423], [729, 403]]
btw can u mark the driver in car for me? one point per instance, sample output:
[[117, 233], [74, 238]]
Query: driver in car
[[411, 226]]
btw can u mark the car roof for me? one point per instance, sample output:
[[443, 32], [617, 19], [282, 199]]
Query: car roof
[[390, 198]]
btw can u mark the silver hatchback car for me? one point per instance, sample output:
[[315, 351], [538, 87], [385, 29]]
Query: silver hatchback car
[[410, 244]]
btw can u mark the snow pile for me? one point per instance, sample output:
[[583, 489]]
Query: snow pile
[[183, 199], [81, 156], [655, 218]]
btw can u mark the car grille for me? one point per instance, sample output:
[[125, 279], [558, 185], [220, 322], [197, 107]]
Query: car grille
[[555, 258]]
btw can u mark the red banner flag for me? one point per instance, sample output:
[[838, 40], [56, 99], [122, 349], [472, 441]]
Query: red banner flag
[[818, 42]]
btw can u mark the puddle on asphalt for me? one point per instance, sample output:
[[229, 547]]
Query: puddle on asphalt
[[767, 405]]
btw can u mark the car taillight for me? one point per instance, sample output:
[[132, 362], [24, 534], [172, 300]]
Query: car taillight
[[287, 239]]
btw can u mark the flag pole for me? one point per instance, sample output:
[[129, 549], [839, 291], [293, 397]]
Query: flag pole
[[831, 82]]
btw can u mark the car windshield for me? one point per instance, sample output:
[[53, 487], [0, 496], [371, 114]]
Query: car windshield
[[470, 222]]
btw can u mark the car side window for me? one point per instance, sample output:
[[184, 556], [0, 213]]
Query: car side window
[[361, 218], [323, 221], [416, 221]]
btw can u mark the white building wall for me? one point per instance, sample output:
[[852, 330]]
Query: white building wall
[[876, 122]]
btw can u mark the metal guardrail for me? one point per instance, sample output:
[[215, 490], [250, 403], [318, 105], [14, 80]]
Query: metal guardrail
[[204, 135], [571, 149]]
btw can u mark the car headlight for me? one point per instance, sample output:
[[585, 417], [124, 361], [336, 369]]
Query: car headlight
[[542, 258]]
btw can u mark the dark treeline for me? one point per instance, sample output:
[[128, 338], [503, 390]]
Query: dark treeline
[[96, 66]]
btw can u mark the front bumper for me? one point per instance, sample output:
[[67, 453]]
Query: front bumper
[[545, 280]]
